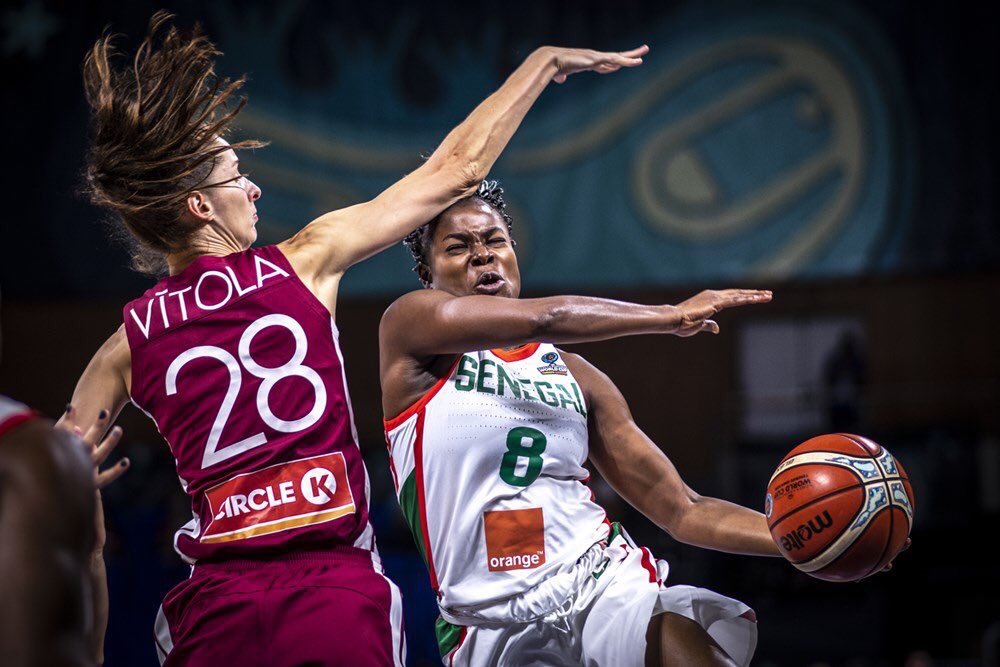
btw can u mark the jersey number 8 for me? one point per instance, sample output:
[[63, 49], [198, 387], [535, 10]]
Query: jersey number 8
[[527, 444]]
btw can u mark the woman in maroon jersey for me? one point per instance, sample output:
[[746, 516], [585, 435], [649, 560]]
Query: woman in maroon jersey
[[235, 356]]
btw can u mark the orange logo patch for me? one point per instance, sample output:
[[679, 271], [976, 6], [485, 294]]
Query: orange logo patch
[[281, 497], [515, 539]]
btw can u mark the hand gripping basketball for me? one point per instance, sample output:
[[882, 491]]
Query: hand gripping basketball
[[695, 313]]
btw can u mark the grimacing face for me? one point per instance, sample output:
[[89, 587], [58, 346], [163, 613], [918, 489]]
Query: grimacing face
[[232, 198], [470, 252]]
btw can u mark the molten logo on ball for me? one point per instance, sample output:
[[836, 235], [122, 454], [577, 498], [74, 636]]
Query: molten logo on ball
[[798, 537]]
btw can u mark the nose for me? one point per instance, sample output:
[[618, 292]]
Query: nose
[[253, 191], [481, 255]]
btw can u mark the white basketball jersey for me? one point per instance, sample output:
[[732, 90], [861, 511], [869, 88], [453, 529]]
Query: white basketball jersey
[[488, 467]]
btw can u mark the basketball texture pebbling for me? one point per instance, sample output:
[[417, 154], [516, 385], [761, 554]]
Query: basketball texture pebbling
[[839, 507]]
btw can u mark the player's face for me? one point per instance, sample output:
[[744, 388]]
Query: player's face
[[233, 198], [471, 252]]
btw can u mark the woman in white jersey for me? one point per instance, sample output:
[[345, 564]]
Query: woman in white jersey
[[488, 430]]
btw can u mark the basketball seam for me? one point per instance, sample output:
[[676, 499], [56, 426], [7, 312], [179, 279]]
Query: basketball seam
[[848, 547], [860, 444], [814, 501], [888, 537], [822, 451]]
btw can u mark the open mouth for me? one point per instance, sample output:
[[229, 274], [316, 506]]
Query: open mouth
[[489, 282]]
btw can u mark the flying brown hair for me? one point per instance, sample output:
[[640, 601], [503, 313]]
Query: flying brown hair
[[154, 123]]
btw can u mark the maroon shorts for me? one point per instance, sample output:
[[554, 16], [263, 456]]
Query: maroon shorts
[[317, 608]]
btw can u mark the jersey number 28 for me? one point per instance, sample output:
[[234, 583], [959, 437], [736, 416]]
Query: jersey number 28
[[270, 376]]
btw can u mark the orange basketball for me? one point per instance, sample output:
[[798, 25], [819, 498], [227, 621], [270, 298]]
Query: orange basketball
[[839, 507]]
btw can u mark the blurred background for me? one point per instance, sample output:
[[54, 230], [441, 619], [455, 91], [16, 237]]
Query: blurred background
[[839, 153]]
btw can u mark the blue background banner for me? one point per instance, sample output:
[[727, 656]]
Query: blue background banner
[[759, 141]]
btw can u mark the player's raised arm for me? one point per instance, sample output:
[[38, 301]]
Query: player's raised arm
[[643, 475], [333, 242], [454, 324]]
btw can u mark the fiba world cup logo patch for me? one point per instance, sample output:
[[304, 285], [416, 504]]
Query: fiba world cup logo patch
[[551, 367], [768, 506]]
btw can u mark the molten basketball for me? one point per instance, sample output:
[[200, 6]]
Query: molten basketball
[[839, 507]]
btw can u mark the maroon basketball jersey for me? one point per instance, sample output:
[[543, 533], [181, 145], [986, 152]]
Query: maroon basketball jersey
[[238, 364]]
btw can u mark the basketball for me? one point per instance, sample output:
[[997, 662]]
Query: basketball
[[839, 507]]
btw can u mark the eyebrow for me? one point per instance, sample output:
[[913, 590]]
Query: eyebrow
[[461, 236]]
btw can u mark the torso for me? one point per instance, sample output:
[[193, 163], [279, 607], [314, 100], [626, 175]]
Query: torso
[[489, 472], [238, 363]]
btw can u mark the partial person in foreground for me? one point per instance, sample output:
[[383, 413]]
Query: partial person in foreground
[[53, 588], [489, 425], [235, 354]]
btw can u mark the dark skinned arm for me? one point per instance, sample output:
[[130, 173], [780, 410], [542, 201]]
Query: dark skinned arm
[[46, 538], [452, 325], [643, 475]]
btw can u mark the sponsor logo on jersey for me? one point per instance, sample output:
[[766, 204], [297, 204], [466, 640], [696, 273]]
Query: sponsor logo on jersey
[[278, 498], [515, 539], [796, 539]]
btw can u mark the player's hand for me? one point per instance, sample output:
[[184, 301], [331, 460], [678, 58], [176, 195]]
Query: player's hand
[[906, 545], [100, 446], [571, 61], [696, 312]]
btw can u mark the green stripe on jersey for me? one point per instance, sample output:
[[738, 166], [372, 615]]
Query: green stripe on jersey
[[448, 635], [411, 512]]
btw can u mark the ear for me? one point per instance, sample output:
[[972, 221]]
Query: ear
[[425, 274], [198, 206]]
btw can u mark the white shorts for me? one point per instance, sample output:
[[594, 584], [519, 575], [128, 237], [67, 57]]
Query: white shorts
[[596, 614]]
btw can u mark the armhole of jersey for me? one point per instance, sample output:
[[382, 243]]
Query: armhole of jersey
[[422, 401], [312, 299]]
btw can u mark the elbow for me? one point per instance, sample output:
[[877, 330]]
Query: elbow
[[460, 174], [677, 519], [545, 322]]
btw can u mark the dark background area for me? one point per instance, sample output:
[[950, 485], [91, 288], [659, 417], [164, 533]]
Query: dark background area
[[928, 389]]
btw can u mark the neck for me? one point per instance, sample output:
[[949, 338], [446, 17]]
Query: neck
[[207, 243]]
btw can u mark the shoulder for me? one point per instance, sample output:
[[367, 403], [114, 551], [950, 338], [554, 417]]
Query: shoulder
[[37, 454], [597, 387], [584, 371]]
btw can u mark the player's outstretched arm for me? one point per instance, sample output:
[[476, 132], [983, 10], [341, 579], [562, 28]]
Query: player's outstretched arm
[[643, 475], [454, 324], [335, 241]]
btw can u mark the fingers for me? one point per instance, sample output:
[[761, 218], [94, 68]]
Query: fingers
[[744, 297], [98, 429], [102, 451], [105, 477], [635, 53]]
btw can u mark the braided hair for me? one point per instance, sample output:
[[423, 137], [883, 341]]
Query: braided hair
[[418, 241]]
